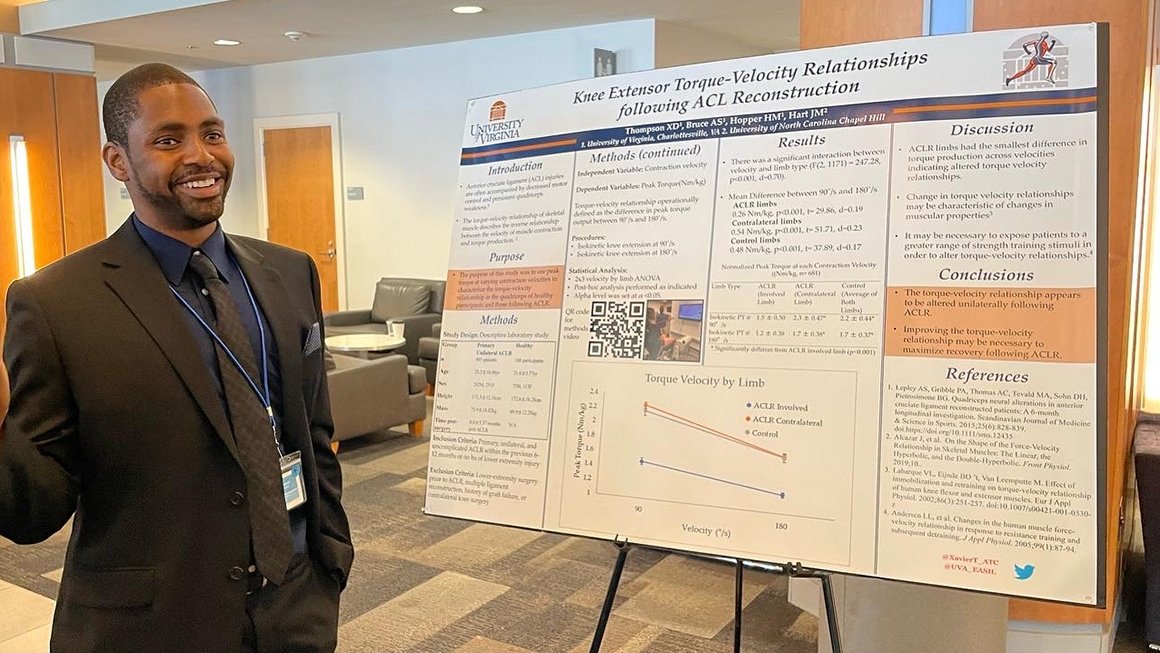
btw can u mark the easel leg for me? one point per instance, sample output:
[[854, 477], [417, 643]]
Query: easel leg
[[795, 570], [606, 611], [737, 607], [831, 615]]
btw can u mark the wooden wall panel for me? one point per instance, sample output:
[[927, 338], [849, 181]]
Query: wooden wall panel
[[1128, 21], [9, 17], [79, 138], [36, 121], [837, 22], [57, 116], [8, 252]]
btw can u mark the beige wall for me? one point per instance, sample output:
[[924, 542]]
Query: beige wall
[[679, 44]]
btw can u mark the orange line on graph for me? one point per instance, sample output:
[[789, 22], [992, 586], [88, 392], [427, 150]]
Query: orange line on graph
[[519, 148], [713, 431], [996, 105]]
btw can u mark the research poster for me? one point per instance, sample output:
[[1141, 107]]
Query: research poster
[[838, 307]]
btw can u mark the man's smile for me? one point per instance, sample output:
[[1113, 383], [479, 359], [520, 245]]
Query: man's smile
[[202, 186]]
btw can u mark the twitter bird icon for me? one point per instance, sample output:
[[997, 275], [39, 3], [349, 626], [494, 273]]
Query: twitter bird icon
[[1024, 572]]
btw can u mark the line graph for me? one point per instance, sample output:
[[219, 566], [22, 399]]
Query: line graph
[[764, 454], [711, 478], [652, 409]]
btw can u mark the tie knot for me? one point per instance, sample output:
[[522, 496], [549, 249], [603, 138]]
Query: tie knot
[[204, 268]]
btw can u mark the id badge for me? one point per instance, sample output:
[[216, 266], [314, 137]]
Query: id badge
[[292, 484]]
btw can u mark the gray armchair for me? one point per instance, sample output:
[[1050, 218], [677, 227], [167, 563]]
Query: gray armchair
[[417, 303], [371, 395], [429, 356]]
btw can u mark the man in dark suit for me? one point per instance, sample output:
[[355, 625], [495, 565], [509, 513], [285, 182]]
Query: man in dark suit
[[169, 394]]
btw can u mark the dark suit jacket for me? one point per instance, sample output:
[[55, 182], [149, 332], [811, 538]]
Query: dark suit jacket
[[114, 417]]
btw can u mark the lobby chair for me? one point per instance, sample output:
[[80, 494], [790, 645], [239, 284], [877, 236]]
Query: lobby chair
[[416, 303], [376, 394], [429, 356]]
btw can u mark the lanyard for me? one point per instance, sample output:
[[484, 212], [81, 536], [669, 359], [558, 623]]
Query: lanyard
[[263, 393]]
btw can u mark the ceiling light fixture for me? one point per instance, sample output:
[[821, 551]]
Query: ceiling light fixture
[[467, 9], [227, 42], [294, 35]]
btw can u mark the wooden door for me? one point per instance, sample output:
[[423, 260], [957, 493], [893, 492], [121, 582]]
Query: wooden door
[[299, 170], [82, 200]]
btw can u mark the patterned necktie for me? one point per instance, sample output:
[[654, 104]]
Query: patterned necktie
[[253, 432]]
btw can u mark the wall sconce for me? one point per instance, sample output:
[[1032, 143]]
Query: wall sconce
[[22, 205]]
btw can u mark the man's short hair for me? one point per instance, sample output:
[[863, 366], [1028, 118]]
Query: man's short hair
[[120, 106]]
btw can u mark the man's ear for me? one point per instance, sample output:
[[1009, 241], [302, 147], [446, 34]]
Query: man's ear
[[116, 160]]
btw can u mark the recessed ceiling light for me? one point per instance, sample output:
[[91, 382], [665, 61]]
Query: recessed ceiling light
[[467, 9], [227, 42]]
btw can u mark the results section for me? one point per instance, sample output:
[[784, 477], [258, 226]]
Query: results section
[[797, 266]]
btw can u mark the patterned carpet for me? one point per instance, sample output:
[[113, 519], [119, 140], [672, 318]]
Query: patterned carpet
[[433, 585]]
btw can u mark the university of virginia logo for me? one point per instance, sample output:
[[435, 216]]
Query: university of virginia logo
[[1037, 60], [497, 127]]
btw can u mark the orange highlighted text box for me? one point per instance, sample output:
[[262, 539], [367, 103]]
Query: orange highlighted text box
[[505, 288], [1045, 325]]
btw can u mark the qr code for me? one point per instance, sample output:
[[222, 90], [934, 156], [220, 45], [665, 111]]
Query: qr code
[[617, 329]]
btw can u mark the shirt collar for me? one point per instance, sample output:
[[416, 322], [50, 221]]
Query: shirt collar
[[172, 255]]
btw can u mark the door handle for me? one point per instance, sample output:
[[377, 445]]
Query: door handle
[[330, 252]]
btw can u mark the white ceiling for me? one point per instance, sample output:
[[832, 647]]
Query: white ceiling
[[184, 37]]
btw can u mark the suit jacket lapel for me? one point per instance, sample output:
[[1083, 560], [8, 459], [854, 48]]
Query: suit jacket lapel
[[133, 274], [270, 292]]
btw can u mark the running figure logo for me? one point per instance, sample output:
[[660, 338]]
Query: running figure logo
[[1035, 61]]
